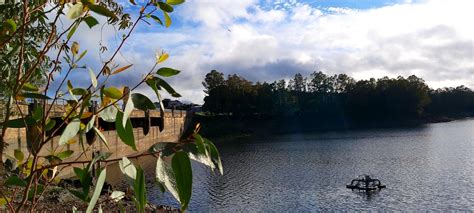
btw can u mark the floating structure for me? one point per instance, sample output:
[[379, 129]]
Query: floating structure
[[365, 183]]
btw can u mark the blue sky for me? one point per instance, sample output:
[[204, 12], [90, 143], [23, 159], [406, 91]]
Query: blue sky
[[264, 40]]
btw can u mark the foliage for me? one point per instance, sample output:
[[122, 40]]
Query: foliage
[[335, 98], [33, 51]]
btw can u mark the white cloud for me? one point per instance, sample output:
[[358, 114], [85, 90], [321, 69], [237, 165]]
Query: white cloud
[[432, 39]]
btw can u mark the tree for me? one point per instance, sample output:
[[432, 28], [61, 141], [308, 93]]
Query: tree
[[213, 79], [27, 38]]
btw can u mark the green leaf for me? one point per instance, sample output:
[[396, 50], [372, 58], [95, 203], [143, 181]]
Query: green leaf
[[38, 113], [81, 56], [11, 24], [93, 78], [19, 155], [21, 122], [162, 84], [140, 191], [181, 165], [29, 87], [70, 132], [174, 2], [50, 124], [142, 102], [167, 72], [112, 92], [75, 11], [35, 96], [65, 154], [125, 133], [35, 191], [101, 136], [97, 190], [53, 159], [214, 155], [158, 20], [167, 19], [128, 169], [165, 7], [79, 91], [15, 181], [102, 10], [72, 31], [108, 114], [91, 21]]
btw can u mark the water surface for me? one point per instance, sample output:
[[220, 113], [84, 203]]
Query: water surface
[[424, 168]]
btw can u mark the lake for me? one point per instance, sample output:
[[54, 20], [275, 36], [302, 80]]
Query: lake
[[425, 168]]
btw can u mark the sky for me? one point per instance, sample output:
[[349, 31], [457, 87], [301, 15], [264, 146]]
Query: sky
[[267, 40]]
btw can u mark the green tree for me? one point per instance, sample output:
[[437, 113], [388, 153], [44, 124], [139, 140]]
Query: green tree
[[213, 79], [27, 38]]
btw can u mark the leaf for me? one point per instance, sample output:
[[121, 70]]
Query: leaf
[[71, 131], [167, 19], [165, 176], [15, 181], [38, 113], [117, 196], [142, 102], [167, 72], [128, 169], [90, 124], [214, 155], [181, 165], [65, 154], [162, 83], [121, 69], [4, 201], [127, 111], [93, 78], [102, 10], [99, 156], [174, 2], [29, 87], [158, 20], [140, 191], [11, 24], [162, 57], [53, 160], [35, 96], [101, 136], [91, 21], [108, 114], [50, 124], [112, 92], [19, 155], [97, 190], [125, 133], [75, 11], [79, 91], [165, 7], [81, 56], [21, 122], [132, 2], [70, 33]]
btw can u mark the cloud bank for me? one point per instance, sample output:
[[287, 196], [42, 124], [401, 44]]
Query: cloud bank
[[432, 39]]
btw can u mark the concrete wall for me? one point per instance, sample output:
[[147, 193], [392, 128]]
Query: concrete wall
[[174, 125]]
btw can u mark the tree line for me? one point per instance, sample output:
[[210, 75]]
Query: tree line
[[335, 97]]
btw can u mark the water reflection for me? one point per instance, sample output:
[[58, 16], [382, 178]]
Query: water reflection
[[429, 169]]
